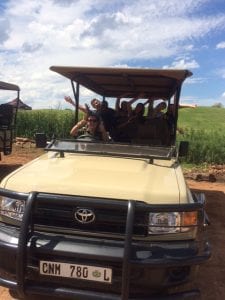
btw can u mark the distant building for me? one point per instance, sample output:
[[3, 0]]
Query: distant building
[[21, 105]]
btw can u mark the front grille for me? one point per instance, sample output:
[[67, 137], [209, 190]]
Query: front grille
[[107, 220]]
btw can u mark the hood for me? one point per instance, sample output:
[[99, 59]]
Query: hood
[[99, 176]]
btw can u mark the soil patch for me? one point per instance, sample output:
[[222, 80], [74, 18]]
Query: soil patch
[[211, 276]]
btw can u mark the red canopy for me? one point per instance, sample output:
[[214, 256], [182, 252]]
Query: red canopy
[[21, 105]]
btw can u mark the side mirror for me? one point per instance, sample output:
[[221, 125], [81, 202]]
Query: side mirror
[[183, 148]]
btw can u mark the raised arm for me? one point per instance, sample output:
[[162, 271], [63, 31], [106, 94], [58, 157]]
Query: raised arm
[[133, 100], [118, 99], [150, 108], [79, 125], [80, 107], [183, 105], [104, 133], [129, 104], [117, 105]]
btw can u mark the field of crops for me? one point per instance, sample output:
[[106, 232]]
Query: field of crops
[[51, 121], [203, 127]]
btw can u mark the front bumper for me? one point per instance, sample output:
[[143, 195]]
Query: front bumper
[[140, 270]]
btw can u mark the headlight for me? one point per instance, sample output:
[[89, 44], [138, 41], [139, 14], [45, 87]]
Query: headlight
[[12, 208], [171, 222]]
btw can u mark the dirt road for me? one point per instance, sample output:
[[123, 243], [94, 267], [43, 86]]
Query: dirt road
[[211, 276]]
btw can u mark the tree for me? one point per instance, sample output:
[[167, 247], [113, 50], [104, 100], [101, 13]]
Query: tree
[[218, 104]]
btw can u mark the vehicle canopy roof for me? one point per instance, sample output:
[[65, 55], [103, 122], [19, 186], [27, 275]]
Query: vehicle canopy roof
[[114, 82], [9, 86]]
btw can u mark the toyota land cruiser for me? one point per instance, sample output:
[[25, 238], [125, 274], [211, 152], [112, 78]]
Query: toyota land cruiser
[[106, 220]]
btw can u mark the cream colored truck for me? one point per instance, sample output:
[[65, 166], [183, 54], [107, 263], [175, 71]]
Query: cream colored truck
[[106, 220]]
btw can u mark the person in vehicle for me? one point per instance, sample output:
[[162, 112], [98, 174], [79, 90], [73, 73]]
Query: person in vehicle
[[101, 109], [181, 105], [160, 110], [70, 101], [137, 114], [123, 110], [95, 103], [127, 130], [92, 126], [128, 119], [108, 116]]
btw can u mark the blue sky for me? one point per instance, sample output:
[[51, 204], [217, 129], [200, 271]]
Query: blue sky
[[35, 34]]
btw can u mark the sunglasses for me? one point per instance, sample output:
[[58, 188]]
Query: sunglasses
[[92, 120]]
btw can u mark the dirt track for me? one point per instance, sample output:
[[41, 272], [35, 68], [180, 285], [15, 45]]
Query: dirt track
[[211, 276]]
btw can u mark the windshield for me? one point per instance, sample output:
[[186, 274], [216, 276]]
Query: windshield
[[112, 149]]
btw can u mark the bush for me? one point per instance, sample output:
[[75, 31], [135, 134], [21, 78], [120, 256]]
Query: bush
[[204, 146], [218, 104], [52, 122]]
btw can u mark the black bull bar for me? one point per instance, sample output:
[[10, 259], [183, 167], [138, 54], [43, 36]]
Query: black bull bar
[[27, 230]]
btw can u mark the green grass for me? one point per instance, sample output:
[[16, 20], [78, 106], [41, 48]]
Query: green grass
[[202, 118], [203, 127], [51, 121], [204, 146]]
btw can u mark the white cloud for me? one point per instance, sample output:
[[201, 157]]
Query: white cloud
[[36, 34], [195, 80], [4, 27], [183, 64], [221, 73], [221, 45]]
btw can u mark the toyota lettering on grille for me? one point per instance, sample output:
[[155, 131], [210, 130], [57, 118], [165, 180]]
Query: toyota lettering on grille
[[84, 215]]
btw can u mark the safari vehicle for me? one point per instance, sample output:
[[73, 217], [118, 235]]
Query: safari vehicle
[[7, 120], [105, 220]]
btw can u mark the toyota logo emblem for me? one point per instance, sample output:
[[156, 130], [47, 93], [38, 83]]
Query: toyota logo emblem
[[84, 215]]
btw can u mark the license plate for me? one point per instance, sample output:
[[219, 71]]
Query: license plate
[[85, 272]]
